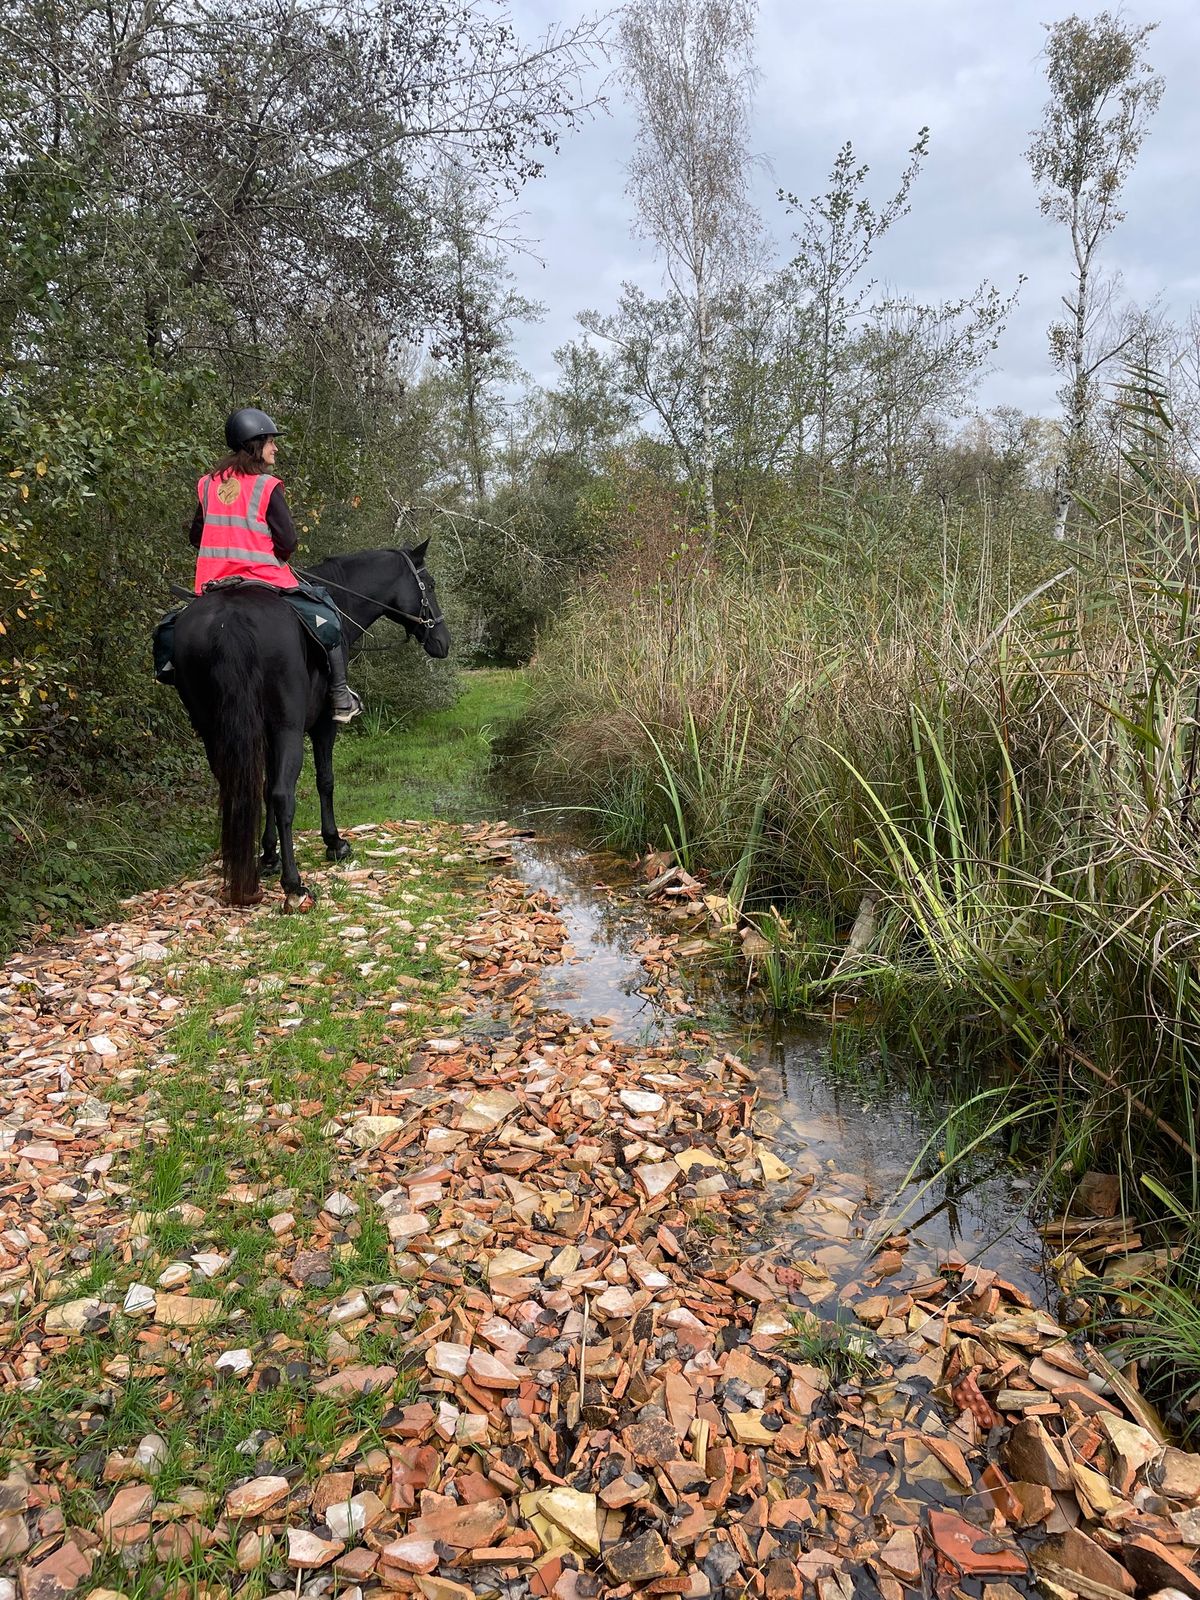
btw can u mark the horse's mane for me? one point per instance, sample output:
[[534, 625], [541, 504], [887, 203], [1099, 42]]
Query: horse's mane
[[336, 566]]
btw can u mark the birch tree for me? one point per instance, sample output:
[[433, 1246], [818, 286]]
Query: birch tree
[[1103, 93], [836, 235], [690, 75]]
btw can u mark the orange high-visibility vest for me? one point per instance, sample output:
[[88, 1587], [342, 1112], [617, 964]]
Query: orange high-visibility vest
[[236, 542]]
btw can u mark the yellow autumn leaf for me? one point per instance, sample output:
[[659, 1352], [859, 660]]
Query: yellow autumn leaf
[[40, 469]]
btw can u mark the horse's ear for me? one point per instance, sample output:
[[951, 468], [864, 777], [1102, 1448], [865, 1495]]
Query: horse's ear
[[418, 552]]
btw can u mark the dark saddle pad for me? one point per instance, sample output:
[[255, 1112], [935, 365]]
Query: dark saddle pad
[[313, 607]]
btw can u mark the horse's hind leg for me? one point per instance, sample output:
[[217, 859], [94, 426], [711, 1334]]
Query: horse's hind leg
[[287, 756], [323, 734], [270, 839]]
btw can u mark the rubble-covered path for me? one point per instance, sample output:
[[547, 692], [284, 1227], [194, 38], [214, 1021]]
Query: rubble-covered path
[[333, 1262]]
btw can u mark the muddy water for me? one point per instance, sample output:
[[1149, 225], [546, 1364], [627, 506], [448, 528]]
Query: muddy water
[[860, 1140]]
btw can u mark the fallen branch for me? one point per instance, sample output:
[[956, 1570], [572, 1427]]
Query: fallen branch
[[1133, 1101]]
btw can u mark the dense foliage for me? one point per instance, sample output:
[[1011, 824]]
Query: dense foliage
[[200, 208]]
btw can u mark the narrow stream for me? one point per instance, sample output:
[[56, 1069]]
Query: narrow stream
[[859, 1139]]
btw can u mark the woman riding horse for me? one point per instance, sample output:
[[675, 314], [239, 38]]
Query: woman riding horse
[[242, 528], [243, 665]]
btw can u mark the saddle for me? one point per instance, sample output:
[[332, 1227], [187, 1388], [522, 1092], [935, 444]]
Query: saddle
[[314, 610]]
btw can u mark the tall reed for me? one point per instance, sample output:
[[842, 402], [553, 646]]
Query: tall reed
[[997, 744]]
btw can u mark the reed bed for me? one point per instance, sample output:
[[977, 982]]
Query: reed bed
[[993, 769]]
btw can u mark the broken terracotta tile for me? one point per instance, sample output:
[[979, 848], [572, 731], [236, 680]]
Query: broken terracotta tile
[[593, 1273], [971, 1550]]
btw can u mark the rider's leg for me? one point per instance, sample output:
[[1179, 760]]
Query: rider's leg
[[164, 648], [343, 701]]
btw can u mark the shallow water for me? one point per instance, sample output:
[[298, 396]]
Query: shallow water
[[606, 977], [860, 1140], [871, 1139]]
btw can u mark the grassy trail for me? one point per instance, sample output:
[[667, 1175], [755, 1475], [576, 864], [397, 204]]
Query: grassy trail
[[67, 861], [226, 1161], [430, 766]]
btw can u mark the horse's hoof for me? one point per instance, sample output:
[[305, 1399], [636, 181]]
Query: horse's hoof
[[339, 851], [269, 865], [299, 900]]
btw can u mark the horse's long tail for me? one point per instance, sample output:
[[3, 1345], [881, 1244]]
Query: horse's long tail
[[238, 755]]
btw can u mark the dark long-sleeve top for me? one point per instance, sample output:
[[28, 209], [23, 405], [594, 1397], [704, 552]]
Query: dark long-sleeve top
[[284, 538]]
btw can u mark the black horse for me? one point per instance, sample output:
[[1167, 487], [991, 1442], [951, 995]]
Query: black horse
[[254, 683]]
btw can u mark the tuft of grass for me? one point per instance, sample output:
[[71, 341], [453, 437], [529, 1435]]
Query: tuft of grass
[[841, 1350], [1156, 1323], [796, 958]]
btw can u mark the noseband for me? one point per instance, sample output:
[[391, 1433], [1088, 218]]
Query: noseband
[[426, 619]]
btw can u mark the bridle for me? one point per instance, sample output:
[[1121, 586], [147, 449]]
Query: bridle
[[427, 619]]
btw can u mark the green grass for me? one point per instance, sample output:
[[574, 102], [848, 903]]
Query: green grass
[[1157, 1324], [841, 1350], [435, 764], [1009, 784], [67, 859]]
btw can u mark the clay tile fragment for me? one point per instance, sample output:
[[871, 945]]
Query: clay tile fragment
[[972, 1550], [1033, 1456], [652, 1440], [638, 1560], [1177, 1475], [463, 1527], [1080, 1556], [58, 1575], [1153, 1566]]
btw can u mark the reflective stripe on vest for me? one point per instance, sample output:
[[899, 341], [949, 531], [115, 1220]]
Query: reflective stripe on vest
[[236, 541]]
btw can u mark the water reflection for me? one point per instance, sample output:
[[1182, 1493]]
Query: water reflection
[[605, 978], [859, 1135], [866, 1137]]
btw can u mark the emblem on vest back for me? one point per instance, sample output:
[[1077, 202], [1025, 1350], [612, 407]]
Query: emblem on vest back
[[228, 491]]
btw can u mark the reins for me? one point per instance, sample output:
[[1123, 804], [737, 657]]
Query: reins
[[425, 620]]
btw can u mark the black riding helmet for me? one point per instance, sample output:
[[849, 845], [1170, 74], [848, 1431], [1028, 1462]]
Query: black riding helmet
[[246, 425]]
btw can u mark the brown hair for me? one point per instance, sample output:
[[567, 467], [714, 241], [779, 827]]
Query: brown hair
[[247, 462]]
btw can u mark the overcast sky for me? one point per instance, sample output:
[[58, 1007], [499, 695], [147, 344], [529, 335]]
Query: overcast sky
[[874, 72]]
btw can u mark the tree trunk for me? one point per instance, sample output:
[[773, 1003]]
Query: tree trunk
[[1067, 477], [472, 440], [823, 395], [1062, 503]]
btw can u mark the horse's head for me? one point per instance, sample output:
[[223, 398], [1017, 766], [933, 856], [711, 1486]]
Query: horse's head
[[415, 594]]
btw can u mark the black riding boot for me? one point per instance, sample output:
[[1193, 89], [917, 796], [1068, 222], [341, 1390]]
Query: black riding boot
[[343, 701]]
